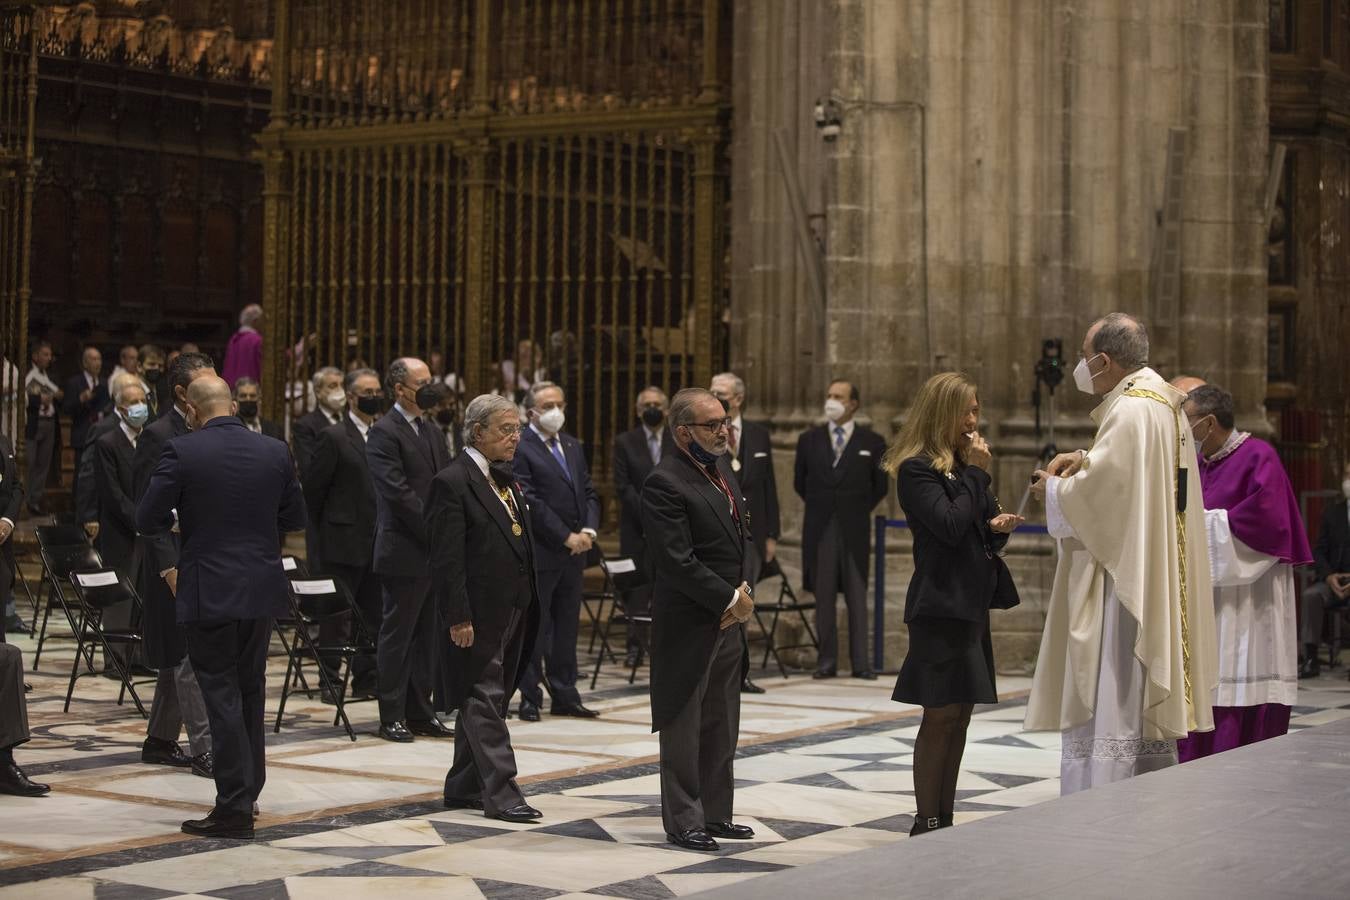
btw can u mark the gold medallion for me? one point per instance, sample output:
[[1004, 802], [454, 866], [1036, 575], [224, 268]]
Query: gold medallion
[[735, 465], [516, 529]]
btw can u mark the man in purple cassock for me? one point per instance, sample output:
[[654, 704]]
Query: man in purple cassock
[[243, 354], [1256, 537]]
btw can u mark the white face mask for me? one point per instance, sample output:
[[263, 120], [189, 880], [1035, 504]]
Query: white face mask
[[1345, 488], [1082, 376], [552, 420], [334, 399], [834, 410]]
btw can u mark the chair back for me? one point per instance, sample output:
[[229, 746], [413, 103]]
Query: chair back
[[60, 535], [316, 599], [61, 560]]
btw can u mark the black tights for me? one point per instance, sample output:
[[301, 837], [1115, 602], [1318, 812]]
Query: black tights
[[937, 758]]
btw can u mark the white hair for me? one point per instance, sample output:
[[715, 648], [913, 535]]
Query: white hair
[[250, 314], [323, 373], [480, 411], [122, 382]]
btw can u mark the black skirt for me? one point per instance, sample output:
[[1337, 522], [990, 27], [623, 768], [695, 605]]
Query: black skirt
[[949, 661]]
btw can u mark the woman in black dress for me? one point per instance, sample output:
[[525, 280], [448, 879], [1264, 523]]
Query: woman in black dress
[[942, 470]]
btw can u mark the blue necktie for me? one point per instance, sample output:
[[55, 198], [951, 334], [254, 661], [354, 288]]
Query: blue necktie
[[838, 443], [556, 449]]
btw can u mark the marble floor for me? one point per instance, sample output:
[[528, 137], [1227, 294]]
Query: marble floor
[[824, 769]]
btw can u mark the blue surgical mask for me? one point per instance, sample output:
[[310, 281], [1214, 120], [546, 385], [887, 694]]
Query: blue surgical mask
[[703, 456], [137, 415]]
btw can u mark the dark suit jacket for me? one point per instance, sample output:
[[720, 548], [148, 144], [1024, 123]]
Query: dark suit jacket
[[161, 549], [480, 570], [305, 438], [86, 490], [340, 495], [632, 465], [847, 492], [269, 429], [115, 488], [84, 415], [402, 464], [559, 507], [1332, 553], [31, 422], [11, 490], [954, 570], [237, 495], [754, 451], [699, 554]]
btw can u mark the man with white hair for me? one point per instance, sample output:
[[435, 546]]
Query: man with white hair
[[1128, 657], [243, 354]]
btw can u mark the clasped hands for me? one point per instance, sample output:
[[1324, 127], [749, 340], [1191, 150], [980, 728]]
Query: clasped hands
[[579, 542], [741, 610], [461, 635], [1062, 466]]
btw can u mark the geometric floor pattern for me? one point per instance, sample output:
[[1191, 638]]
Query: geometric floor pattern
[[824, 769]]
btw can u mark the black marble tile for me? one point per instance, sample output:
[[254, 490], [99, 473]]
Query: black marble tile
[[1003, 779], [370, 852], [368, 868], [1008, 740], [880, 767], [638, 889], [458, 832], [502, 890], [899, 824], [790, 830], [263, 890], [647, 811], [979, 792], [746, 782], [586, 829], [111, 890], [1306, 710], [822, 779], [727, 865]]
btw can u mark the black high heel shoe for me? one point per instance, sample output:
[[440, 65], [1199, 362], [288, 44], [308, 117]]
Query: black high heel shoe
[[924, 824]]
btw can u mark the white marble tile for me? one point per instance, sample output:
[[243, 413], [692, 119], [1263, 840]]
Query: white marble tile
[[1034, 763], [764, 718], [404, 887], [641, 786], [427, 760], [865, 744], [786, 766], [544, 860], [1324, 717], [216, 869], [1023, 794], [394, 833], [682, 885], [557, 808], [807, 803], [51, 889], [880, 782], [817, 847], [64, 821]]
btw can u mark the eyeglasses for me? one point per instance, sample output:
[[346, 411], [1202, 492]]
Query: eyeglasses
[[507, 431], [714, 426]]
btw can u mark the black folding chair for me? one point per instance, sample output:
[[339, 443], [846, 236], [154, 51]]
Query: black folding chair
[[620, 575], [96, 590], [58, 561], [314, 602], [785, 604], [50, 536], [294, 567]]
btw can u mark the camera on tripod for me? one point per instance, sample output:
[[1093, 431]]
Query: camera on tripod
[[1049, 372]]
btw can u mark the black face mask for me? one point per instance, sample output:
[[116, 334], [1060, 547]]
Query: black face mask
[[371, 406], [501, 473], [445, 416], [152, 376], [248, 409], [653, 416], [427, 396]]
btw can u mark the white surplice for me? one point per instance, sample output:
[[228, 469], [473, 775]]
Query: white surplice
[[1254, 612]]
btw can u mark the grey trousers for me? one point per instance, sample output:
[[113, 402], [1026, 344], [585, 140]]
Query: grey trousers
[[698, 747], [13, 706], [41, 451], [485, 765], [835, 572], [178, 702]]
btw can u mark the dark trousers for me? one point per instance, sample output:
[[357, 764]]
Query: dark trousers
[[835, 572], [485, 765], [6, 585], [179, 703], [406, 655], [364, 586], [555, 652], [41, 451], [13, 706], [698, 746], [230, 661], [1316, 600]]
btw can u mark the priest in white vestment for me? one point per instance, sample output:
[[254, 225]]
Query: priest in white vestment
[[1256, 537], [1127, 659]]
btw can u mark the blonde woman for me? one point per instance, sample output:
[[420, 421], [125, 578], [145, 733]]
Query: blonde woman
[[942, 465]]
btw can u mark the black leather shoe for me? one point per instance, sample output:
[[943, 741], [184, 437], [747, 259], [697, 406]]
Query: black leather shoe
[[13, 781], [749, 687], [204, 765], [522, 813], [432, 727], [575, 710], [160, 752], [631, 661], [458, 803], [693, 839], [221, 825], [528, 712], [819, 674], [866, 675], [396, 732], [1310, 668], [729, 831], [16, 625]]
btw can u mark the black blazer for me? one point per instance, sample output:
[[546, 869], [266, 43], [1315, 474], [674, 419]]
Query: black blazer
[[559, 506], [1332, 553], [754, 452], [847, 492], [955, 564], [480, 570], [237, 496], [340, 495], [83, 416], [698, 554], [115, 488], [402, 464], [305, 439], [86, 489], [271, 429], [164, 645], [11, 490], [632, 465]]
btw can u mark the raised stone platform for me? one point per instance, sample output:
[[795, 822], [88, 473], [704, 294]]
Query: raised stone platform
[[1264, 821]]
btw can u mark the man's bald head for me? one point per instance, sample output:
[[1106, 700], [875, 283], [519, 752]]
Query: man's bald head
[[208, 397], [1187, 383]]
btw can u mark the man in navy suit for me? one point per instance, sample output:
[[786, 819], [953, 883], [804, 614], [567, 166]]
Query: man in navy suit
[[404, 452], [234, 495], [566, 512]]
